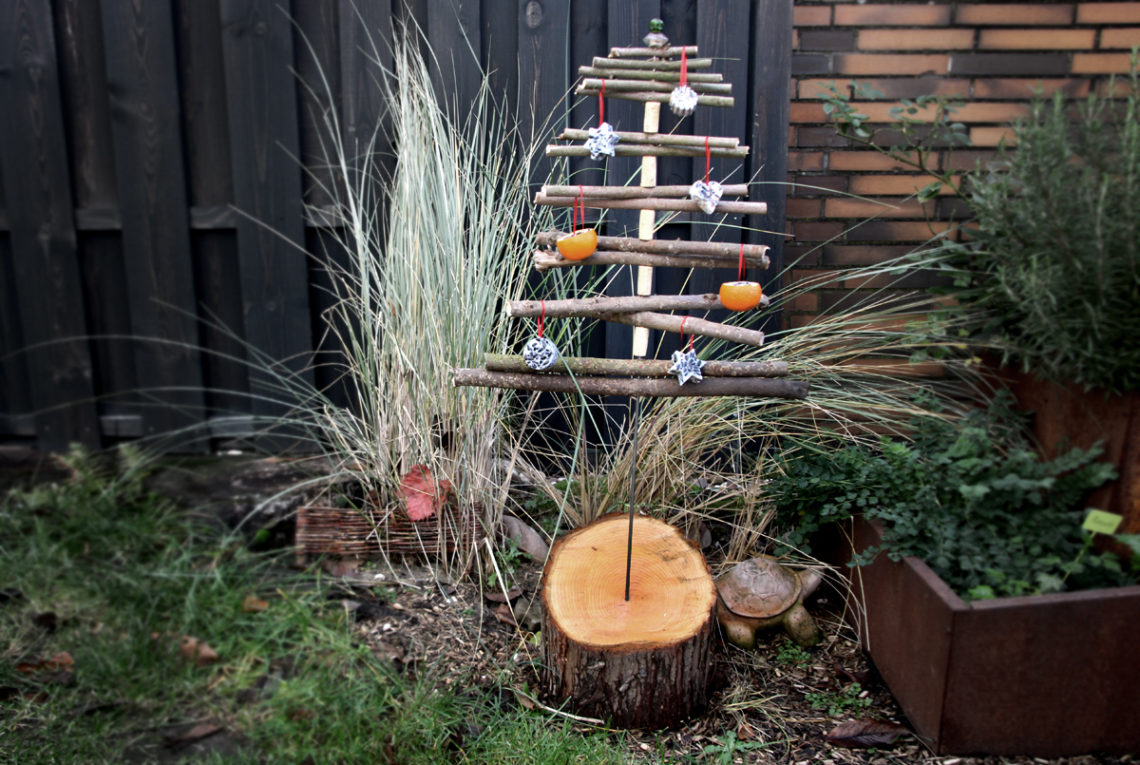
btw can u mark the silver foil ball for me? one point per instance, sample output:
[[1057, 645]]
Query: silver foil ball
[[540, 353], [683, 100]]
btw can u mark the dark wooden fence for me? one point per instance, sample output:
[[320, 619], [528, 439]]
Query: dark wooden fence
[[150, 182]]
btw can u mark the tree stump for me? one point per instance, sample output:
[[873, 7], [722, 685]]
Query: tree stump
[[642, 663]]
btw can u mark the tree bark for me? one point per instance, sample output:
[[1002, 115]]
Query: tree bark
[[756, 387], [643, 663]]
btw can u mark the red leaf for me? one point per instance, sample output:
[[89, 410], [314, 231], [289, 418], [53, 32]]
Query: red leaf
[[423, 495], [864, 734]]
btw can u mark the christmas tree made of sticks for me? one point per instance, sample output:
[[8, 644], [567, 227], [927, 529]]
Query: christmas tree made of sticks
[[654, 74]]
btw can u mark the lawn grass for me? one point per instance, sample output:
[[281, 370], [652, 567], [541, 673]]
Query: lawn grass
[[116, 577]]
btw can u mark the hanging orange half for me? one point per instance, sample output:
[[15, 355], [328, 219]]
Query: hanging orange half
[[740, 296], [579, 245]]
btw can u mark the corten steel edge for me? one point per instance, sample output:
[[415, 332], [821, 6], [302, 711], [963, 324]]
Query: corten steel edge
[[1044, 675]]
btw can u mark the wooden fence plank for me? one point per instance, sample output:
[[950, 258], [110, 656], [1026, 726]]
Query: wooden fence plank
[[453, 34], [771, 57], [15, 393], [145, 126], [86, 109], [257, 46], [33, 150], [545, 73], [206, 143], [500, 45]]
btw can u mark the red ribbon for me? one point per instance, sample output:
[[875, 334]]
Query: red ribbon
[[684, 69], [708, 159], [683, 320], [740, 274], [541, 319], [602, 104]]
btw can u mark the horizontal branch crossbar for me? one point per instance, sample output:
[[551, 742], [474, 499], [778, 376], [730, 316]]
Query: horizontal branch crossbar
[[598, 306], [757, 387], [649, 203], [544, 260], [658, 75], [658, 139], [752, 252], [668, 51], [637, 192], [616, 86], [588, 365], [647, 150], [664, 66], [647, 96], [667, 322]]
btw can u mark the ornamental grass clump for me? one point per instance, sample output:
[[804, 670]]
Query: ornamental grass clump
[[429, 250]]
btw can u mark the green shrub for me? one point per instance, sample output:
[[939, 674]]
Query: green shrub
[[970, 497], [1056, 269]]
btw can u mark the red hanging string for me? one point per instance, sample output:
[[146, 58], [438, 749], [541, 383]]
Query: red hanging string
[[602, 104], [708, 159], [683, 320], [684, 69], [740, 274], [541, 319]]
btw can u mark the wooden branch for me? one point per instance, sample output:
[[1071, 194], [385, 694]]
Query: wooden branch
[[643, 96], [598, 306], [616, 86], [665, 66], [544, 260], [649, 203], [668, 322], [637, 192], [658, 139], [657, 76], [647, 150], [752, 252], [666, 52], [585, 365], [758, 387]]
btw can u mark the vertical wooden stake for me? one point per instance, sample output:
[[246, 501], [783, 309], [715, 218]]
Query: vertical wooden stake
[[650, 124]]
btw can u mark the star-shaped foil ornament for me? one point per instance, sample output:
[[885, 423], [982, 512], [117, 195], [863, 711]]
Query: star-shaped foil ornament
[[602, 140], [686, 366]]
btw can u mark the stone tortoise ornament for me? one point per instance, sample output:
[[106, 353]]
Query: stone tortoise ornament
[[759, 593]]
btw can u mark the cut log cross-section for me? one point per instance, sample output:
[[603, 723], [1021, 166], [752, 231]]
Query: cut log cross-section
[[641, 663]]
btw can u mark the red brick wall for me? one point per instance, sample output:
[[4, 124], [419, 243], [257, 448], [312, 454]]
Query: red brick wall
[[993, 54]]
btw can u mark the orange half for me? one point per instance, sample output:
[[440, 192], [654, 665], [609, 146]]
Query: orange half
[[740, 296], [579, 245]]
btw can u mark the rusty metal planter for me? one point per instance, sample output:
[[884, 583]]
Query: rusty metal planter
[[1044, 675]]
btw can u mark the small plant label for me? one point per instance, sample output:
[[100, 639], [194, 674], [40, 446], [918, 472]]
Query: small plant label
[[1100, 522]]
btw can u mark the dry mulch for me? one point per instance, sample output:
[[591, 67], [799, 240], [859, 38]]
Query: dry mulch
[[761, 704]]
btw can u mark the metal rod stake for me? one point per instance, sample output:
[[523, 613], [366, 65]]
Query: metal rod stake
[[635, 423]]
